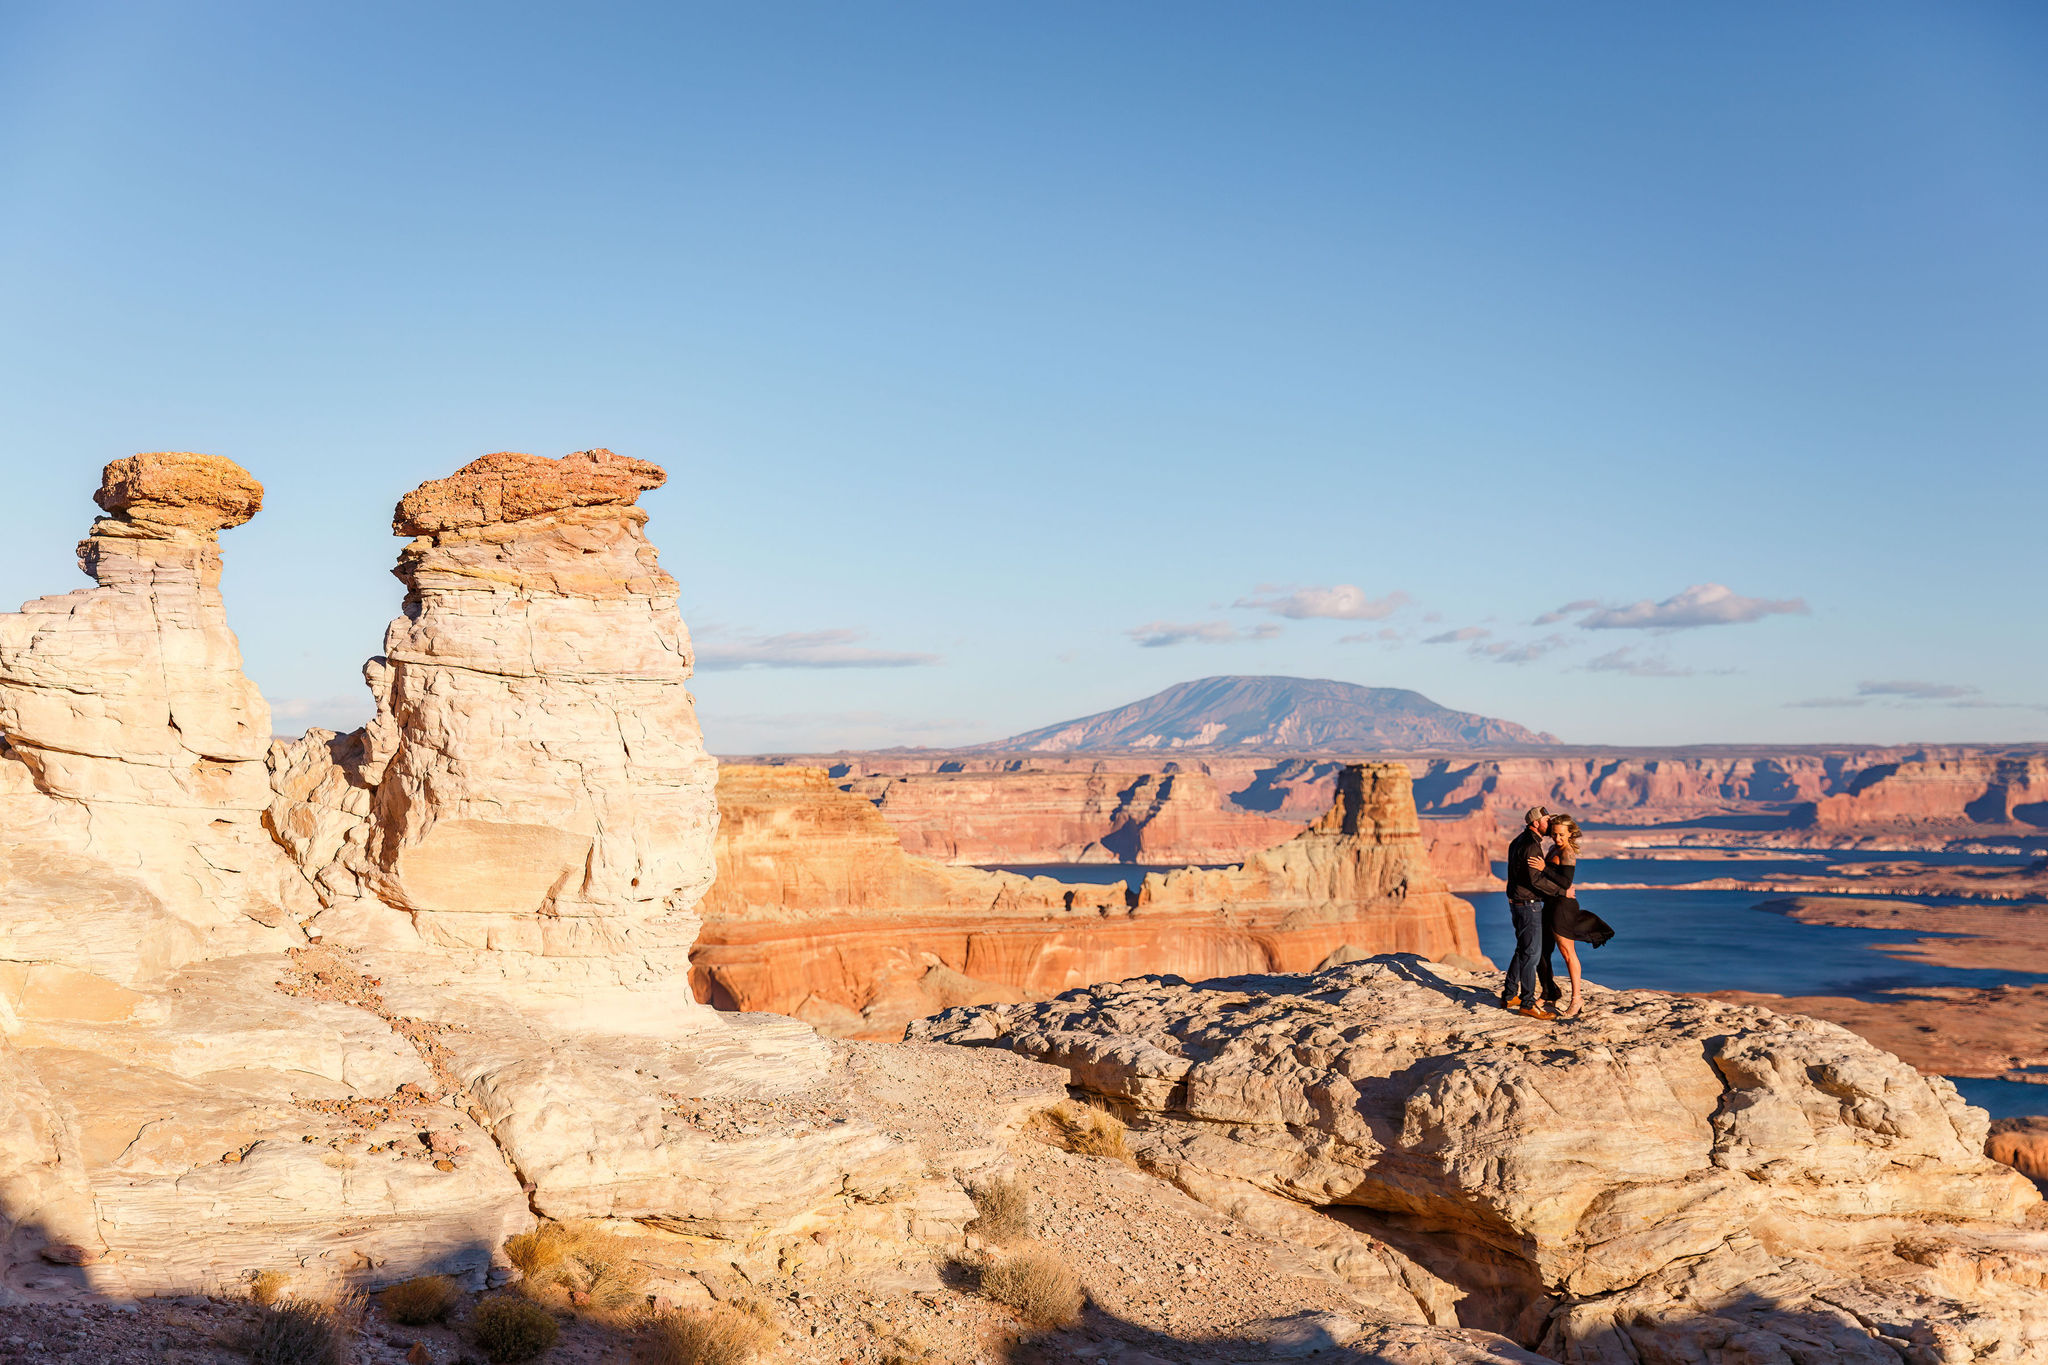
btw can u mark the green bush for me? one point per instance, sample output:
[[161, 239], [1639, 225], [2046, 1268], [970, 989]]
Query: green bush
[[507, 1328]]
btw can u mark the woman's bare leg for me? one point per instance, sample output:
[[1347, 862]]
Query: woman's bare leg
[[1571, 963]]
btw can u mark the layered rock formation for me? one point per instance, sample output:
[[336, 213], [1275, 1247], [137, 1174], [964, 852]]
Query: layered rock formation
[[819, 913], [1100, 816], [163, 1071], [534, 790], [128, 733], [1668, 1179], [450, 992]]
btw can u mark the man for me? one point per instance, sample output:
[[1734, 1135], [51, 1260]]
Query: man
[[1533, 943]]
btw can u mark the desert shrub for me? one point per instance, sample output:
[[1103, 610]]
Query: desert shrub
[[303, 1331], [1037, 1284], [267, 1286], [542, 1256], [1004, 1206], [430, 1298], [1085, 1131], [508, 1329], [717, 1336], [574, 1265]]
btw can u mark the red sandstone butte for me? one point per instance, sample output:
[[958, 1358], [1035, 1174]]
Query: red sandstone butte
[[818, 912]]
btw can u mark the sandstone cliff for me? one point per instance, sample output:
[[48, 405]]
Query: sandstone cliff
[[818, 912], [1099, 816], [1669, 1179]]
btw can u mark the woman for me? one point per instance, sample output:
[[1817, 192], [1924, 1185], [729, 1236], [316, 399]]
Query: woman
[[1562, 913]]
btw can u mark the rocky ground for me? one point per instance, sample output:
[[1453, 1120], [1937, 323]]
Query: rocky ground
[[1169, 1281]]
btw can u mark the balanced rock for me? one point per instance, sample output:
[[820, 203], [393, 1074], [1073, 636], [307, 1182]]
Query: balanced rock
[[534, 790], [1668, 1178], [165, 1062]]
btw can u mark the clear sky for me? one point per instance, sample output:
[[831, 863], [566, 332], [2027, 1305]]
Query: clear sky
[[1011, 362]]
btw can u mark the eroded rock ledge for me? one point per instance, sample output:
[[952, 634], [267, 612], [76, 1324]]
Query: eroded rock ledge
[[1666, 1179]]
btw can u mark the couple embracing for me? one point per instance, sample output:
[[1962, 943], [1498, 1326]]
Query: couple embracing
[[1546, 915]]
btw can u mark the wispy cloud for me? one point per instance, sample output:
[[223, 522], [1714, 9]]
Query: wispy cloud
[[1519, 651], [292, 715], [1828, 703], [1385, 635], [1569, 609], [1702, 604], [1459, 636], [800, 649], [1916, 691], [1159, 634], [1344, 602], [1626, 660]]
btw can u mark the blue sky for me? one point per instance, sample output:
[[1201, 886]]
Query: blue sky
[[1013, 362]]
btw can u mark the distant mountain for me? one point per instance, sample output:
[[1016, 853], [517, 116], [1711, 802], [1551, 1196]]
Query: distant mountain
[[1312, 714]]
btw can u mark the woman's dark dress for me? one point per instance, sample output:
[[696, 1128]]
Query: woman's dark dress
[[1568, 919]]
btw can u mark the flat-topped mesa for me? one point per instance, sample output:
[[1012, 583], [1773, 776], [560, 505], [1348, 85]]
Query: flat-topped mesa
[[540, 781]]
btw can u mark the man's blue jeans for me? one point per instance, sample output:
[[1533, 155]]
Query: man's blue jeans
[[1533, 944]]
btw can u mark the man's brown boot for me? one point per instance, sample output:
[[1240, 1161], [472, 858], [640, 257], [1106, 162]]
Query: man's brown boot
[[1536, 1012], [1511, 1002]]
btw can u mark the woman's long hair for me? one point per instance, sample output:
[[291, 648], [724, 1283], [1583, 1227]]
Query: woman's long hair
[[1565, 831]]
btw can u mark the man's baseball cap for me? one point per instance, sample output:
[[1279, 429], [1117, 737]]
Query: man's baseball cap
[[1535, 813]]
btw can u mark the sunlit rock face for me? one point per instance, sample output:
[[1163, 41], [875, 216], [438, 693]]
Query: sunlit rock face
[[1666, 1178], [130, 733], [533, 791]]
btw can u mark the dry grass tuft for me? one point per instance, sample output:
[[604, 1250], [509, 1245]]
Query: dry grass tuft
[[415, 1303], [1038, 1284], [1004, 1204], [717, 1336], [267, 1286], [580, 1267], [510, 1329], [1084, 1130], [304, 1331]]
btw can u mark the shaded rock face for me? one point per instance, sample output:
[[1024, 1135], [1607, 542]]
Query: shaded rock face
[[818, 912], [1669, 1179]]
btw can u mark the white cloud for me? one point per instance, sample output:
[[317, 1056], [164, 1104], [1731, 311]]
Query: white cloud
[[1627, 661], [1344, 602], [1159, 634], [1458, 636], [1916, 691], [800, 649], [1385, 635], [1702, 604]]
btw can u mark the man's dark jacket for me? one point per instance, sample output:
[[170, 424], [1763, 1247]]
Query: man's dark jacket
[[1528, 844]]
